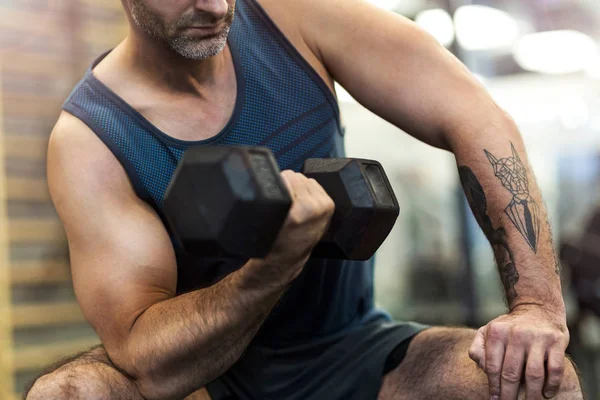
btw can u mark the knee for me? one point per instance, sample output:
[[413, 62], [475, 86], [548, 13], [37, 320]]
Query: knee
[[570, 387], [68, 385], [74, 383], [461, 378]]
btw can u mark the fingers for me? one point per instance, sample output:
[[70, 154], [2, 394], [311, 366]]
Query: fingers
[[497, 336], [522, 350], [297, 182], [477, 349], [301, 186], [287, 177], [556, 370], [314, 189], [310, 199], [319, 193], [534, 372], [512, 369]]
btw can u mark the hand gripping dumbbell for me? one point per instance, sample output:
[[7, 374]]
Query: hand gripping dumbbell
[[231, 201]]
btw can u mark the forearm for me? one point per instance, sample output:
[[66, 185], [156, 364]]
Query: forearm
[[508, 205], [187, 341]]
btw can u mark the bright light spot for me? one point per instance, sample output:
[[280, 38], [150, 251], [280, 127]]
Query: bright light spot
[[574, 112], [387, 4], [556, 52], [439, 24], [485, 28], [480, 78], [593, 70], [343, 95]]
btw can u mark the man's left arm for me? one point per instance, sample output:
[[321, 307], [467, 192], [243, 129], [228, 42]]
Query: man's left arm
[[401, 73]]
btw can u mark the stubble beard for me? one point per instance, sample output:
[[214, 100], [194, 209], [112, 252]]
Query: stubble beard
[[173, 38]]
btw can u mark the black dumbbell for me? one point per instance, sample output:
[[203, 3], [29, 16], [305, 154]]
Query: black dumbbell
[[231, 201], [226, 201], [365, 206]]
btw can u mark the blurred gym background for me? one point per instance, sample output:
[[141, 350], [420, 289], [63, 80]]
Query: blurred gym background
[[540, 60]]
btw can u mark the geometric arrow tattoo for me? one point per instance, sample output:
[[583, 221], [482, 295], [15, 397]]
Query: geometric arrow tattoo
[[523, 211]]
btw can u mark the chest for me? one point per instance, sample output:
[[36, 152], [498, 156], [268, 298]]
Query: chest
[[191, 118]]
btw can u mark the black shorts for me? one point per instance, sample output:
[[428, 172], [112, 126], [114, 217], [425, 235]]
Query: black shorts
[[348, 367]]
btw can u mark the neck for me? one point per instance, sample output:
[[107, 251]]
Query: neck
[[167, 69]]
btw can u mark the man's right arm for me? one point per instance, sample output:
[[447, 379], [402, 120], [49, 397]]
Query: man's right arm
[[125, 274]]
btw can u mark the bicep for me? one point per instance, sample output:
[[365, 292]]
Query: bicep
[[122, 263], [394, 68], [122, 260]]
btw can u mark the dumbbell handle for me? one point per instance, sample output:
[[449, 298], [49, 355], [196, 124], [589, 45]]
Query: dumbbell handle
[[366, 207]]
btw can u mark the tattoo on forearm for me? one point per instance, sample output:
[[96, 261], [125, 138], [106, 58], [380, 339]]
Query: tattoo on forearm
[[497, 237], [523, 211]]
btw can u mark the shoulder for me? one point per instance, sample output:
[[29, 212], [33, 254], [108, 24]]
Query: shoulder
[[290, 16], [326, 23], [78, 163]]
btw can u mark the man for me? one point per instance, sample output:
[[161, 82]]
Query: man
[[285, 327]]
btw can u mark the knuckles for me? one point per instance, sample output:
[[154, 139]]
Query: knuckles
[[511, 377], [534, 374], [499, 330], [493, 370], [502, 331], [554, 336], [475, 354], [522, 336], [556, 370], [329, 206]]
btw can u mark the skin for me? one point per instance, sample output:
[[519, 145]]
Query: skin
[[133, 280], [463, 119], [124, 273]]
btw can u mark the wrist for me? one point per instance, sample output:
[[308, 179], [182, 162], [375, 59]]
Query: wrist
[[554, 311], [265, 276]]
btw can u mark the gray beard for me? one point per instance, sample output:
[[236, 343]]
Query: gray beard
[[194, 49], [186, 47]]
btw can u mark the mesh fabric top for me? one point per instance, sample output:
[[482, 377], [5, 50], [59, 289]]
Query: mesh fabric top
[[283, 105]]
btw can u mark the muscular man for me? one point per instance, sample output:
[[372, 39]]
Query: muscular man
[[248, 72]]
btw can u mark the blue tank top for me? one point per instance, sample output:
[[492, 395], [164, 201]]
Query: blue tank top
[[282, 104]]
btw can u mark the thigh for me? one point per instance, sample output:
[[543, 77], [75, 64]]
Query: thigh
[[437, 365]]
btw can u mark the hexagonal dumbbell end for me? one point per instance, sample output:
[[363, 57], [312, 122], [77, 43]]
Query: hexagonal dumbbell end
[[366, 207], [227, 201]]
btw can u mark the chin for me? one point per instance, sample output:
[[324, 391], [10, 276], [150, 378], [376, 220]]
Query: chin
[[199, 49]]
